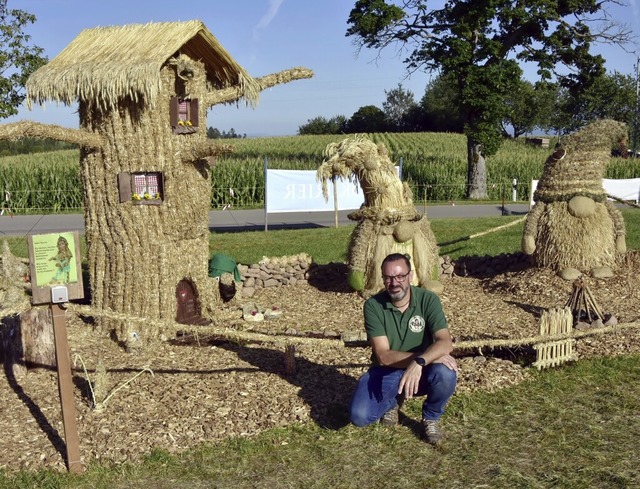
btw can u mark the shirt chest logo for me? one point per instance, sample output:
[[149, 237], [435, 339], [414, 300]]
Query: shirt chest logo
[[416, 324]]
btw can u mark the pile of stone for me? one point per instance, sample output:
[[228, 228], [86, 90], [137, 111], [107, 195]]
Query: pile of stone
[[486, 266], [274, 272]]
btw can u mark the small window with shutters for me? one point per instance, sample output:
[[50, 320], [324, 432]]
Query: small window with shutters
[[184, 115], [141, 188]]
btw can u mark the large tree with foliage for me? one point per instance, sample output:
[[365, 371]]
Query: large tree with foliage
[[611, 96], [440, 106], [480, 43], [18, 58], [528, 107]]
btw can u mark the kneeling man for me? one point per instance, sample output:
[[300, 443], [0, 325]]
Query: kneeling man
[[411, 348]]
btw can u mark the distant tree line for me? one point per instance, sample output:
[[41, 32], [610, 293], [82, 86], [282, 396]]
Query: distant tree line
[[543, 107], [214, 133], [29, 145]]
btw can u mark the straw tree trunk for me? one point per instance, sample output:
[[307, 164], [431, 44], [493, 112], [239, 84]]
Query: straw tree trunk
[[138, 253]]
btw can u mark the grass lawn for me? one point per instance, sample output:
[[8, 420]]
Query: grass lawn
[[574, 427]]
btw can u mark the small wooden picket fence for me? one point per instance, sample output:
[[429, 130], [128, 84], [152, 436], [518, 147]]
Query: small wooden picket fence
[[555, 322]]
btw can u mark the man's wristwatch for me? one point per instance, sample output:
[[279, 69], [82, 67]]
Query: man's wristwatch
[[420, 361]]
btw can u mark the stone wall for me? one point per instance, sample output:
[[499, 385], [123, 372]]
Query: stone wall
[[274, 272]]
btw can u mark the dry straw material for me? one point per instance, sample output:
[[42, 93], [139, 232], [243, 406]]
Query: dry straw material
[[143, 91], [573, 228], [114, 63], [387, 221]]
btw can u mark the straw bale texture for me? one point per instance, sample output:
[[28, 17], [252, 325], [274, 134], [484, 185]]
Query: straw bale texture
[[37, 130], [143, 91], [387, 221], [108, 64], [572, 226]]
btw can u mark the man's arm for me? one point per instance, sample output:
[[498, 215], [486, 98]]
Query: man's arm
[[388, 357], [438, 352]]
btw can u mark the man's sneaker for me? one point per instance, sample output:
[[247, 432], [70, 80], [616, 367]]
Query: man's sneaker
[[431, 431], [391, 417]]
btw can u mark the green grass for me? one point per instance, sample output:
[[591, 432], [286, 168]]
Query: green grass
[[329, 244], [574, 427]]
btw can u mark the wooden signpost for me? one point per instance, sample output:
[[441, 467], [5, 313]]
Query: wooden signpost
[[56, 278]]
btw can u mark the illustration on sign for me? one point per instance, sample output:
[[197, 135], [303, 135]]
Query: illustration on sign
[[54, 261]]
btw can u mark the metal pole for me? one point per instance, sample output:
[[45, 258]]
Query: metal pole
[[635, 119]]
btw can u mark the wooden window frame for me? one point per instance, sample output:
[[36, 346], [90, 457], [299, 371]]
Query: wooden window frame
[[127, 187], [178, 125]]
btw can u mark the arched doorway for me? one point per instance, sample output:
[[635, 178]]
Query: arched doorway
[[188, 310]]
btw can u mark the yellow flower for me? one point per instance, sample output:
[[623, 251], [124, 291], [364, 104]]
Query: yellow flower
[[135, 197], [181, 122], [147, 196], [188, 123]]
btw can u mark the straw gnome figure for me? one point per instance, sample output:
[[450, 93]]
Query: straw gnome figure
[[573, 228], [387, 221]]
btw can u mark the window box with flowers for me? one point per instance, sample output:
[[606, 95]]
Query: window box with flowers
[[184, 115], [141, 188]]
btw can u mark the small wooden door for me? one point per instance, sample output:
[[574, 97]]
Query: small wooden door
[[188, 304]]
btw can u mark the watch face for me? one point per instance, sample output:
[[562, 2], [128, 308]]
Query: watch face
[[420, 361]]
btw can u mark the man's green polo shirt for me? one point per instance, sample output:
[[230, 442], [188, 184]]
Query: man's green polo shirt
[[411, 330]]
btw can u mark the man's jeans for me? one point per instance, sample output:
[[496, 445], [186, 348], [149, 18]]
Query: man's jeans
[[377, 391]]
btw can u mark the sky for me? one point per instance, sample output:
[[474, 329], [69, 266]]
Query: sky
[[264, 37]]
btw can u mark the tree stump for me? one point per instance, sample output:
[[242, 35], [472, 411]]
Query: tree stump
[[28, 340]]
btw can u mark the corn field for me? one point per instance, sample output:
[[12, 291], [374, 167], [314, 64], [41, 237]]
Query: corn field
[[433, 164]]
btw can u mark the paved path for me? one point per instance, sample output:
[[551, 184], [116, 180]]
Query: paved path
[[251, 220]]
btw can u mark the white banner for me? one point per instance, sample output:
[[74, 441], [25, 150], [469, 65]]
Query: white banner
[[299, 191], [625, 188]]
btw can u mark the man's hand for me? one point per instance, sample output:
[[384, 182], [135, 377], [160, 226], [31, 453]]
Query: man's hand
[[448, 361], [410, 380]]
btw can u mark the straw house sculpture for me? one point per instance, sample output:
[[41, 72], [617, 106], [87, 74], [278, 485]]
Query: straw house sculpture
[[387, 220], [143, 92], [573, 228]]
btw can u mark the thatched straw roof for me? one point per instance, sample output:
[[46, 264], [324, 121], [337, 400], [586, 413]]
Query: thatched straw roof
[[109, 63]]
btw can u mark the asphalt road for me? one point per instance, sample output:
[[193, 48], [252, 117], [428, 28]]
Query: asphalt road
[[252, 220]]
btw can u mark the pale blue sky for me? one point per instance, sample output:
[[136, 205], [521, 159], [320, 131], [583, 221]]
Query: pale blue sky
[[264, 36]]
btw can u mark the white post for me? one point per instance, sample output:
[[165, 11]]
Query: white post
[[515, 190], [266, 210]]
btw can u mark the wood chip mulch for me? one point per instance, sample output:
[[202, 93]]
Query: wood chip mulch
[[205, 389]]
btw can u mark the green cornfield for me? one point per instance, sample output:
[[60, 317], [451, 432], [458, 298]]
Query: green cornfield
[[433, 164]]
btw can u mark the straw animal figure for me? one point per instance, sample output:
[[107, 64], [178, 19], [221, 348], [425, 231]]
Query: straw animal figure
[[573, 228], [387, 221]]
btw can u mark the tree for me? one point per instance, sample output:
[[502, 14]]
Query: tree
[[367, 119], [479, 44], [612, 96], [397, 105], [213, 133], [321, 125], [527, 107], [440, 106], [18, 58]]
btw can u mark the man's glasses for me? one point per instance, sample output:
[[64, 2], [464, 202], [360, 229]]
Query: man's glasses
[[387, 279]]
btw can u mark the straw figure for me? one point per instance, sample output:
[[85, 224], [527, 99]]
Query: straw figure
[[143, 92], [387, 220], [573, 228]]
